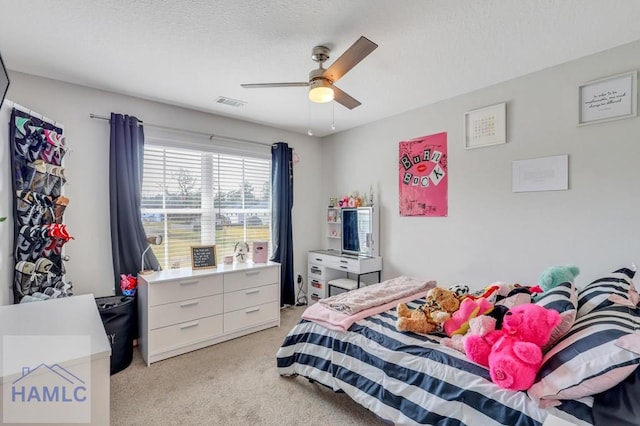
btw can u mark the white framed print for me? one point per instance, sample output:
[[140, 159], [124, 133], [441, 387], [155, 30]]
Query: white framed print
[[610, 98], [485, 126], [541, 174]]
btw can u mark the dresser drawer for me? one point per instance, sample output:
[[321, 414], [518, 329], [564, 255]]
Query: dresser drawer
[[317, 258], [175, 336], [248, 317], [183, 311], [345, 264], [314, 297], [317, 271], [250, 297], [317, 286], [240, 280], [184, 289]]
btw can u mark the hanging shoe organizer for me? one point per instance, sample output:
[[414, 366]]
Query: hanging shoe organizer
[[37, 150]]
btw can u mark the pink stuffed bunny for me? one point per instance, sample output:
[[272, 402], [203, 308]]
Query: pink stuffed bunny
[[514, 353]]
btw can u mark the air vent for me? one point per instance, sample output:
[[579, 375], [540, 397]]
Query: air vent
[[231, 102]]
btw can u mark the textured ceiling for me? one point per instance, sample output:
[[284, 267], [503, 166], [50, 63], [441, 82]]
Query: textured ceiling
[[188, 53]]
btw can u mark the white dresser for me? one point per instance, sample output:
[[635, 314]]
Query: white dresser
[[181, 310]]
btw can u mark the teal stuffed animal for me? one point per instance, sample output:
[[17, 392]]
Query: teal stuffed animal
[[556, 275]]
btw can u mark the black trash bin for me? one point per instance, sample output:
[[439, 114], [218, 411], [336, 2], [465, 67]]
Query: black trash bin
[[117, 313]]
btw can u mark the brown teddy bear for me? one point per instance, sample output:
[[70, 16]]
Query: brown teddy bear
[[439, 304]]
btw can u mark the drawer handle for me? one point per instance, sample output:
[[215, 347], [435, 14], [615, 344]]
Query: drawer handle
[[189, 325], [318, 260], [252, 273], [251, 310], [189, 282], [344, 261], [252, 291], [344, 267], [184, 305]]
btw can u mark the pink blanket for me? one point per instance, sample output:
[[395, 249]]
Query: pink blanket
[[363, 298], [339, 321]]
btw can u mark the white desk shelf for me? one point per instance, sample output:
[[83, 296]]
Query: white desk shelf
[[328, 265]]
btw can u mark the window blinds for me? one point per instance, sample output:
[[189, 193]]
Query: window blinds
[[194, 197]]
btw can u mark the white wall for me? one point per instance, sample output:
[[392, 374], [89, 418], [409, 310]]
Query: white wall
[[491, 233], [87, 217]]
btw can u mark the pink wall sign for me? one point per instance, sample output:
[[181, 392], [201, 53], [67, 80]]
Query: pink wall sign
[[423, 176]]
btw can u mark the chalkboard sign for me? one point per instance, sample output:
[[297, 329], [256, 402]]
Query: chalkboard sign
[[203, 257]]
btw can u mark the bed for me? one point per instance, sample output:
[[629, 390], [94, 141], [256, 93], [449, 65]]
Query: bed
[[408, 378]]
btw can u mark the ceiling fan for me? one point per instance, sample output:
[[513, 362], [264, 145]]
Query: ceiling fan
[[321, 81]]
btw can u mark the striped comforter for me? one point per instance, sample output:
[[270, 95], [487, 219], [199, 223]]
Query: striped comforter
[[409, 378]]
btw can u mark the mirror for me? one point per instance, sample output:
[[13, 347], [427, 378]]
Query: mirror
[[357, 228]]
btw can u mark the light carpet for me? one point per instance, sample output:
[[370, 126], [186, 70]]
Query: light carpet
[[231, 383]]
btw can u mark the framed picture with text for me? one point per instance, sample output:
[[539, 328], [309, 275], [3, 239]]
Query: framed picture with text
[[610, 98], [203, 257]]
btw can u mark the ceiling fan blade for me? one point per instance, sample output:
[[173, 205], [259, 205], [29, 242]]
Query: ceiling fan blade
[[344, 99], [258, 85], [350, 58]]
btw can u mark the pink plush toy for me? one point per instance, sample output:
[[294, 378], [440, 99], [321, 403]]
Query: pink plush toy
[[480, 326], [514, 353], [469, 309]]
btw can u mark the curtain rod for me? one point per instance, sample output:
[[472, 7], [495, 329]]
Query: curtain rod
[[209, 135]]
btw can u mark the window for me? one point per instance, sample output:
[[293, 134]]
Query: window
[[194, 197]]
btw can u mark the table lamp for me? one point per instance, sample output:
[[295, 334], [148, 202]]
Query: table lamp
[[155, 240]]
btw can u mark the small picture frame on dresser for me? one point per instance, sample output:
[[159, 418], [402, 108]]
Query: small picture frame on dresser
[[203, 257]]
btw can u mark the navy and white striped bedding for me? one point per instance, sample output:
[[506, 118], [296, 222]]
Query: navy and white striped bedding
[[409, 378], [592, 357]]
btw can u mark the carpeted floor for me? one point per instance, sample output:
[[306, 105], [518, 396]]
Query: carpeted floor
[[232, 383]]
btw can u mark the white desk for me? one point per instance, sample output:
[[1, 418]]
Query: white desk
[[327, 265], [59, 344]]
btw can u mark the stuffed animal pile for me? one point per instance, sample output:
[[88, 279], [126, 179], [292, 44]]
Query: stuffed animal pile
[[514, 353], [497, 327], [439, 304]]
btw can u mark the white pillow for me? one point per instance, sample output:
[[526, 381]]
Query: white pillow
[[597, 293]]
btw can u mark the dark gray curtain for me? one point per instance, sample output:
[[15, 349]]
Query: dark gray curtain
[[282, 203], [128, 239]]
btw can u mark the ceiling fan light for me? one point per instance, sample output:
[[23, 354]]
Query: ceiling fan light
[[320, 91]]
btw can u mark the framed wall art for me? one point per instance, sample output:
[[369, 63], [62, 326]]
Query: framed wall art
[[610, 98], [485, 126], [541, 174]]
